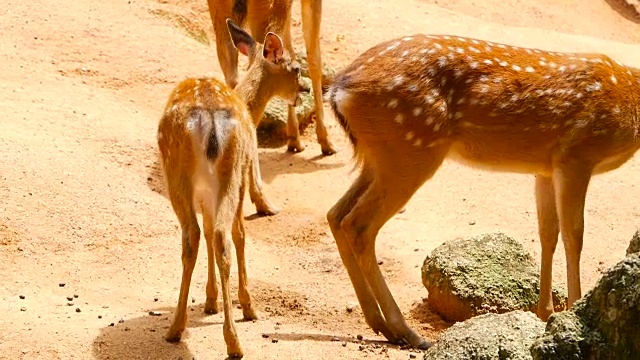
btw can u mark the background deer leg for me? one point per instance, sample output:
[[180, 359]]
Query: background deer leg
[[239, 240], [311, 20], [226, 52], [367, 301], [570, 183], [548, 229], [263, 206]]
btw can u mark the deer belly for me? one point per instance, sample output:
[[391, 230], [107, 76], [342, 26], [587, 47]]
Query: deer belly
[[505, 155]]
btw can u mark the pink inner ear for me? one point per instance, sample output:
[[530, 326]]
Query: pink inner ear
[[243, 48], [273, 48]]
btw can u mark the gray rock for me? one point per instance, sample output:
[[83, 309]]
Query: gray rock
[[634, 245], [490, 273], [328, 73], [603, 324], [489, 336]]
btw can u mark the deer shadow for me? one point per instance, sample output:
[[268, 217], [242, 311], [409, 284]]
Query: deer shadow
[[626, 10]]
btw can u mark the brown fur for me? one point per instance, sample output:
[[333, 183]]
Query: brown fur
[[409, 103], [275, 16], [208, 148]]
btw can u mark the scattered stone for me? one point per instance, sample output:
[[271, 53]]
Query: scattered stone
[[155, 299], [155, 313], [361, 347], [78, 310], [70, 298], [273, 341], [634, 245], [75, 296], [344, 344], [489, 273], [351, 306], [265, 336], [23, 309], [272, 130], [327, 72], [489, 337], [21, 297], [126, 328], [193, 300], [472, 222], [99, 316], [120, 321], [62, 284], [603, 324], [70, 303], [112, 324], [359, 337], [412, 356]]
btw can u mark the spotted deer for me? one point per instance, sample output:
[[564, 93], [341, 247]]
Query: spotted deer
[[208, 148], [409, 103], [275, 15]]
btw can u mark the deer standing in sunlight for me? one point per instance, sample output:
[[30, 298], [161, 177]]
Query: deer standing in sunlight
[[275, 15], [208, 148], [409, 103]]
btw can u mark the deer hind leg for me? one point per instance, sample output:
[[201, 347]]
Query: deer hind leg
[[548, 229], [182, 203], [395, 182], [211, 304], [263, 206], [244, 296], [231, 178], [311, 19], [367, 301], [226, 52], [570, 181], [293, 127]]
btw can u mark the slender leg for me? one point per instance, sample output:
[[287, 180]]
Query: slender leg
[[263, 206], [211, 304], [367, 301], [226, 52], [183, 208], [548, 229], [571, 182], [244, 296], [394, 184], [311, 20]]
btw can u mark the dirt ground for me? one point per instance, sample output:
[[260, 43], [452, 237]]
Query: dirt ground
[[82, 87]]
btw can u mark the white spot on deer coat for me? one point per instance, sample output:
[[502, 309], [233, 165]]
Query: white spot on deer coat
[[399, 118]]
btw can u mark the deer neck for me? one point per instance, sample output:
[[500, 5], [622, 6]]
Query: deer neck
[[255, 92]]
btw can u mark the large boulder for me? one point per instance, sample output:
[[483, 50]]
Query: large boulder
[[490, 273], [634, 245], [603, 324], [489, 336]]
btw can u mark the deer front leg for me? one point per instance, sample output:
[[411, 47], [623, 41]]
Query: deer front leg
[[548, 230], [570, 182], [311, 20], [225, 50], [256, 194], [244, 296]]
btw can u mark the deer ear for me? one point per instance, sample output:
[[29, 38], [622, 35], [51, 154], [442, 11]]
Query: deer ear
[[240, 38], [273, 49]]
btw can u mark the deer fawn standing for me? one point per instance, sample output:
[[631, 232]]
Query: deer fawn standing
[[208, 147], [274, 15], [409, 103]]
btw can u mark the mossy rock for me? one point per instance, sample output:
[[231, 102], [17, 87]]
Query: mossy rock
[[603, 324], [272, 130], [634, 245], [490, 273], [328, 73], [489, 337]]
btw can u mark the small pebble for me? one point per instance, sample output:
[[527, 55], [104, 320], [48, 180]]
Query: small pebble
[[344, 344], [78, 310], [75, 296], [335, 339], [274, 341], [23, 309], [412, 356], [472, 222], [120, 321], [112, 324], [265, 336], [70, 298], [380, 262], [70, 303], [62, 284], [359, 337], [361, 347], [155, 313], [193, 301], [351, 306], [155, 299], [21, 297], [127, 328], [99, 316]]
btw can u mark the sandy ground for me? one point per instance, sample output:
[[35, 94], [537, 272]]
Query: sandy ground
[[83, 84]]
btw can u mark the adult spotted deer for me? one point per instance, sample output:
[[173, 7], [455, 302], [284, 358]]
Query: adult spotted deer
[[407, 104], [208, 149], [274, 15]]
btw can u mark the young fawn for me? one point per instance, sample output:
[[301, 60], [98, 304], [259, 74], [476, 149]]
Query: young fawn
[[208, 148], [275, 15], [407, 104]]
